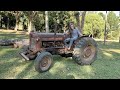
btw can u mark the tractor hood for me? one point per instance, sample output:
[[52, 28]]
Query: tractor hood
[[38, 34]]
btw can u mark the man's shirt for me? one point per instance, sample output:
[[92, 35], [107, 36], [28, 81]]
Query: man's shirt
[[75, 33]]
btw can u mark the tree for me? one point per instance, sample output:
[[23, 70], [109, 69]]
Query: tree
[[101, 14], [31, 15], [77, 14], [113, 22], [46, 22], [80, 25], [17, 15], [6, 19], [105, 29], [94, 24], [1, 18], [83, 19], [119, 26], [61, 18], [39, 21]]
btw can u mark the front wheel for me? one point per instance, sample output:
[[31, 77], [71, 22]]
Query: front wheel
[[43, 62], [85, 51]]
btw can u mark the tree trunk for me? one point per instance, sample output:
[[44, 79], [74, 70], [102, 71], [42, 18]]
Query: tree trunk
[[105, 34], [27, 25], [105, 29], [7, 23], [119, 39], [16, 25], [119, 30], [78, 20], [1, 22], [83, 20], [6, 42], [23, 26], [46, 22], [92, 31], [111, 34], [119, 36], [30, 26], [33, 27], [80, 25]]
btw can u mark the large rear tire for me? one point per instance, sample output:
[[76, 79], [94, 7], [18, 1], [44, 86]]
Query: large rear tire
[[85, 51], [43, 62]]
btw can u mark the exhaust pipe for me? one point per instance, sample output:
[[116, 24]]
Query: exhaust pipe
[[24, 56]]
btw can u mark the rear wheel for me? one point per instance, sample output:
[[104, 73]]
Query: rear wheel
[[43, 62], [85, 51]]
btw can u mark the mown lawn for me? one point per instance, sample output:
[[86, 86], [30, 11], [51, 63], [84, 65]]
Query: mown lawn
[[107, 65]]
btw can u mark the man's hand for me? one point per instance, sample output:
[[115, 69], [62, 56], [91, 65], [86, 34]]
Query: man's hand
[[81, 34]]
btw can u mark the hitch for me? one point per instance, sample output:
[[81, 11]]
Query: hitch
[[24, 56]]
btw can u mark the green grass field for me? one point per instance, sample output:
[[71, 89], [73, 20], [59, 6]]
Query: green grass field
[[107, 65]]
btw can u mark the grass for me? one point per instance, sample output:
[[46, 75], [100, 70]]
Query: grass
[[107, 65], [11, 34]]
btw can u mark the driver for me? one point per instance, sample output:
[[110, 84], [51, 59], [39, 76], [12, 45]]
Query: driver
[[74, 34]]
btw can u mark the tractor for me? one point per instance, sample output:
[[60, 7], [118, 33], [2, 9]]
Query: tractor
[[42, 47]]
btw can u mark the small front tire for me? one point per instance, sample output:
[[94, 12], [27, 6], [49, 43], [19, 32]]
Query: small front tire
[[43, 62]]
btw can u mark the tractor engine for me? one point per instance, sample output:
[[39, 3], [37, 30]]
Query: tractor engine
[[51, 42]]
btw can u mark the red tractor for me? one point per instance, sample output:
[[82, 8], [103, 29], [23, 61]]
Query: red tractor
[[43, 45]]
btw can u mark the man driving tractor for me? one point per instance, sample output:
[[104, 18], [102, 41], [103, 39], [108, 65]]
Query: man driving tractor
[[73, 33], [42, 47]]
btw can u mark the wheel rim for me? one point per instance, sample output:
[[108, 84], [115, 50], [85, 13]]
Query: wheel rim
[[89, 52], [45, 63]]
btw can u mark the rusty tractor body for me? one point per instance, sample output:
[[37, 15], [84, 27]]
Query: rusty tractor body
[[43, 45]]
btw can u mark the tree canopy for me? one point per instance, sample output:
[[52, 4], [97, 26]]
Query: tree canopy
[[89, 23]]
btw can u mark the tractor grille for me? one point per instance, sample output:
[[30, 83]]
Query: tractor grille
[[33, 44]]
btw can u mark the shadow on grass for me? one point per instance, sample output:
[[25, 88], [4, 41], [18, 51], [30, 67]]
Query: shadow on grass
[[109, 51], [25, 71], [60, 70], [106, 66], [8, 60], [13, 36], [108, 45]]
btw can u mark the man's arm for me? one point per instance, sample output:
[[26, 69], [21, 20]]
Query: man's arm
[[67, 32], [80, 34]]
